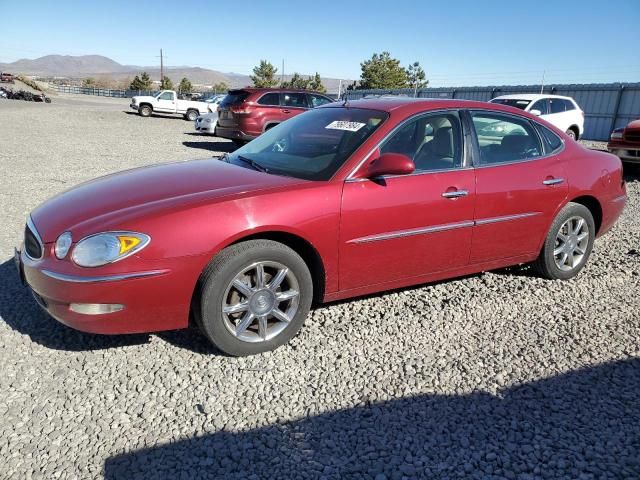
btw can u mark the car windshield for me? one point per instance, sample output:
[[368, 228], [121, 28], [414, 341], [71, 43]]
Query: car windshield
[[512, 102], [312, 145]]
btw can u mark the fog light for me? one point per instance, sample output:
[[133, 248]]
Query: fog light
[[95, 308]]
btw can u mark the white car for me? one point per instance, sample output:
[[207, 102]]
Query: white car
[[167, 101], [562, 112], [207, 123]]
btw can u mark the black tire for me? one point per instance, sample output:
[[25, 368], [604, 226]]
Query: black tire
[[191, 115], [572, 133], [238, 143], [215, 284], [145, 110], [546, 264]]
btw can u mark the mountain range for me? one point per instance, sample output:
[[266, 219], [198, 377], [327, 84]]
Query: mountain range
[[98, 66]]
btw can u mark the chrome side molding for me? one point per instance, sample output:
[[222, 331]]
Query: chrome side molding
[[105, 278]]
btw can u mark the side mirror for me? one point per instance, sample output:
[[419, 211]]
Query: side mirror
[[535, 112], [389, 164]]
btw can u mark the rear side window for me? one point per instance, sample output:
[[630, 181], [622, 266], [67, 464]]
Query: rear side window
[[234, 97], [504, 139], [568, 105], [272, 98], [556, 105], [317, 100], [293, 99], [552, 141]]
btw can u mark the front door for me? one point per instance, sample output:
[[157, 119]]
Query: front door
[[166, 102], [520, 185], [406, 226]]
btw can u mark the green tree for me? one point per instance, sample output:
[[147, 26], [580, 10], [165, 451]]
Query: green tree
[[166, 83], [416, 78], [89, 82], [315, 83], [382, 71], [264, 75], [220, 87], [185, 85], [143, 82], [297, 81]]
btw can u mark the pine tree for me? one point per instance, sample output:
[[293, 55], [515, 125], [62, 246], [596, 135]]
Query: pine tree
[[382, 71], [185, 86], [416, 78], [315, 83], [264, 75], [166, 83]]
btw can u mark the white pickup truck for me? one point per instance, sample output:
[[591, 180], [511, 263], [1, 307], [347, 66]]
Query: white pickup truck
[[167, 101]]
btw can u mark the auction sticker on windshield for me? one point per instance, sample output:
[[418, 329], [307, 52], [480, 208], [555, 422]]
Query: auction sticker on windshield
[[343, 125]]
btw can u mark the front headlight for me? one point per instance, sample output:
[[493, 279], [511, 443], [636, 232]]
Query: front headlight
[[207, 120], [108, 247], [617, 134], [63, 243]]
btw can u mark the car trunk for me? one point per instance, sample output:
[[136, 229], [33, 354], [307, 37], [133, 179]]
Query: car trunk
[[227, 117]]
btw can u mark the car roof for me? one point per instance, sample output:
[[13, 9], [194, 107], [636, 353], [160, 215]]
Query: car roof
[[407, 105], [273, 89], [530, 96]]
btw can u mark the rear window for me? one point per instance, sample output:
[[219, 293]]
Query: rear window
[[235, 97], [512, 102]]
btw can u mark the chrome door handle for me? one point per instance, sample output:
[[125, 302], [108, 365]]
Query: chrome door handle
[[455, 194], [553, 181]]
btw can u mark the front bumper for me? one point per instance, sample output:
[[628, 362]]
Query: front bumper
[[204, 127], [153, 299], [626, 154], [133, 106]]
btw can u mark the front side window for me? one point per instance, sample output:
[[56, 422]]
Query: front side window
[[317, 100], [556, 105], [433, 142], [272, 98], [312, 145], [165, 96], [503, 138], [292, 99], [542, 105]]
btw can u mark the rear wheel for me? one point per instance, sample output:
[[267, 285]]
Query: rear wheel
[[572, 133], [568, 244], [145, 110], [191, 115], [255, 297]]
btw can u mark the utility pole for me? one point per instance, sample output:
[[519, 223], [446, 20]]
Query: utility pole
[[161, 67], [542, 86], [339, 89], [282, 73]]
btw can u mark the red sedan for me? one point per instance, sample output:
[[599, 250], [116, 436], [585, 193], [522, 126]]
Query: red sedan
[[343, 200]]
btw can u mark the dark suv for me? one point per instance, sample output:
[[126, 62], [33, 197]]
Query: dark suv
[[246, 113]]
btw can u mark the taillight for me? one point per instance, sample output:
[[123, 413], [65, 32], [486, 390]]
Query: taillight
[[241, 110]]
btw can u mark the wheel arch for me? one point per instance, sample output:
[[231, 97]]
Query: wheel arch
[[576, 130], [269, 125], [594, 207], [146, 104]]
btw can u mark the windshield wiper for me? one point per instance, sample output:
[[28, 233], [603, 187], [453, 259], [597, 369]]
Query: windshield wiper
[[254, 164]]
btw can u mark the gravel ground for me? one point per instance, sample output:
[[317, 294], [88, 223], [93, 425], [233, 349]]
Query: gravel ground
[[498, 375]]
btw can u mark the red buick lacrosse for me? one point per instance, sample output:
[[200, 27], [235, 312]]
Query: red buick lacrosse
[[343, 200]]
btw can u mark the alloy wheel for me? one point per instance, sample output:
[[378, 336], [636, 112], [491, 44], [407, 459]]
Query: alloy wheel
[[260, 301], [572, 241]]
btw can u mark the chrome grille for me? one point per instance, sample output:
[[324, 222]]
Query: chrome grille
[[32, 243], [632, 135]]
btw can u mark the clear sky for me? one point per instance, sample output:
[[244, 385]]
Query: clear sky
[[458, 42]]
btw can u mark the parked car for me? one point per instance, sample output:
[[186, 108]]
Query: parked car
[[207, 123], [215, 101], [246, 113], [625, 142], [167, 101], [340, 201], [562, 112], [6, 78]]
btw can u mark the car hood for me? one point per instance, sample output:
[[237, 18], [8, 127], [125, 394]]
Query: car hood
[[635, 125], [121, 196], [139, 98]]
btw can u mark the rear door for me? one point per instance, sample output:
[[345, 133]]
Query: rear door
[[520, 185], [292, 104], [557, 114]]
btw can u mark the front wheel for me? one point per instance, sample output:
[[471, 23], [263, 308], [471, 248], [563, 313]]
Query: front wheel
[[568, 244], [572, 133], [255, 297], [145, 110]]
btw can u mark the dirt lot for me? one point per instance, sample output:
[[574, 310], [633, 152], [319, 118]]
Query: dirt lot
[[498, 375]]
